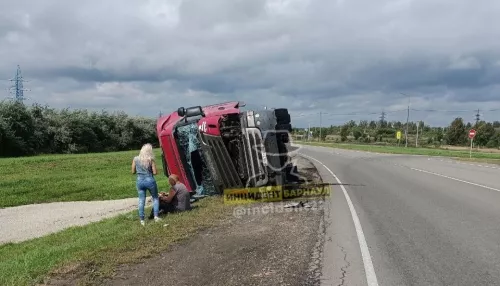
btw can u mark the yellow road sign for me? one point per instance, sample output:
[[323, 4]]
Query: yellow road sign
[[398, 135]]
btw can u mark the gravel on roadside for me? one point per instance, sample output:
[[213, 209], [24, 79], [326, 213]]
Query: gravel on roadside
[[278, 246], [30, 221]]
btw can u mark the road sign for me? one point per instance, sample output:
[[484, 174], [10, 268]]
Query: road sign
[[398, 135], [472, 133]]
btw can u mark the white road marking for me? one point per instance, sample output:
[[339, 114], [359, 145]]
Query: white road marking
[[462, 163], [451, 178], [371, 277]]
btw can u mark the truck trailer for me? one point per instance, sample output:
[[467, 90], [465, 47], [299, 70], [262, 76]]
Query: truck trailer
[[221, 146]]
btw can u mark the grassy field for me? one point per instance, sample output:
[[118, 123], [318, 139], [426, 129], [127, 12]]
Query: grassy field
[[53, 178], [491, 157], [95, 249]]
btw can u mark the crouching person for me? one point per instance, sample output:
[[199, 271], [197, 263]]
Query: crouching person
[[177, 200]]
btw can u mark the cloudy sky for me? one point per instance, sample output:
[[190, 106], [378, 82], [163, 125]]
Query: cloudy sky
[[349, 58]]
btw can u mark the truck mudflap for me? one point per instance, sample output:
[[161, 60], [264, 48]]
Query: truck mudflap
[[219, 162]]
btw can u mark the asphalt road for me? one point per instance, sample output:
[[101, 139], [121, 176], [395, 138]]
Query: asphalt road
[[425, 221]]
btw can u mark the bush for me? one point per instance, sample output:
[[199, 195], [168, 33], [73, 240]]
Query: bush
[[31, 130], [492, 144]]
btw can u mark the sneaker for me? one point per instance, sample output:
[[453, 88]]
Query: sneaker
[[143, 222], [157, 219]]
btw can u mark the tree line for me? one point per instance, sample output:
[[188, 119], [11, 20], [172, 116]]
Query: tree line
[[487, 133], [32, 130]]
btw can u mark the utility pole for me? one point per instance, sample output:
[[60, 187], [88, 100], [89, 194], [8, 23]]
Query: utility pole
[[320, 126], [416, 140], [309, 131], [407, 119]]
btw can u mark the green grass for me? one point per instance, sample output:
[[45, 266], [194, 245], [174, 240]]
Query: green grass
[[481, 160], [95, 249], [409, 150], [85, 177]]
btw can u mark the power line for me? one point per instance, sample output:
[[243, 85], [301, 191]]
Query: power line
[[393, 111], [364, 113], [454, 110], [346, 114], [441, 110]]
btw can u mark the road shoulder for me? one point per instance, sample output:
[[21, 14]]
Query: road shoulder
[[342, 263], [277, 247]]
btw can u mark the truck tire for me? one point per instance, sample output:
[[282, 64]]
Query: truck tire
[[287, 127], [282, 116], [280, 112], [285, 139]]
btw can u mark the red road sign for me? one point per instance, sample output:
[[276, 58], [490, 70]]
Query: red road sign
[[472, 133]]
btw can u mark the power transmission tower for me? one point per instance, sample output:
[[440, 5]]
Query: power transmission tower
[[478, 118], [17, 89], [382, 119]]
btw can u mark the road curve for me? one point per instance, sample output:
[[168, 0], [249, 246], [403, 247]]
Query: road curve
[[426, 221]]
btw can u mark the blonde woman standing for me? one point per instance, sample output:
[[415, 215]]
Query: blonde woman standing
[[145, 168]]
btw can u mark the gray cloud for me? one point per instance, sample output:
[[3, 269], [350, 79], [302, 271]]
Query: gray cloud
[[310, 56]]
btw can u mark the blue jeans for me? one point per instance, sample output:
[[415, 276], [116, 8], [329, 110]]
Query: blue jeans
[[143, 184]]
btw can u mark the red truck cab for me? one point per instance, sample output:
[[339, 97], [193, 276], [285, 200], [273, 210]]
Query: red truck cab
[[220, 146]]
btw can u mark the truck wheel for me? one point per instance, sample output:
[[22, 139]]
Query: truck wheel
[[280, 112], [285, 139], [287, 127], [282, 115]]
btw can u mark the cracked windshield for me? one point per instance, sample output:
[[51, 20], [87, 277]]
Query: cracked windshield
[[249, 142]]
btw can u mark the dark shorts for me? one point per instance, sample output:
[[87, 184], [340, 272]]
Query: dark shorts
[[164, 209]]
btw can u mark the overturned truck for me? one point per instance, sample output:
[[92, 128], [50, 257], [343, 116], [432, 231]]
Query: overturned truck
[[222, 146]]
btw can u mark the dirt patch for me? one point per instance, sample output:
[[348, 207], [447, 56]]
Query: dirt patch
[[261, 244]]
